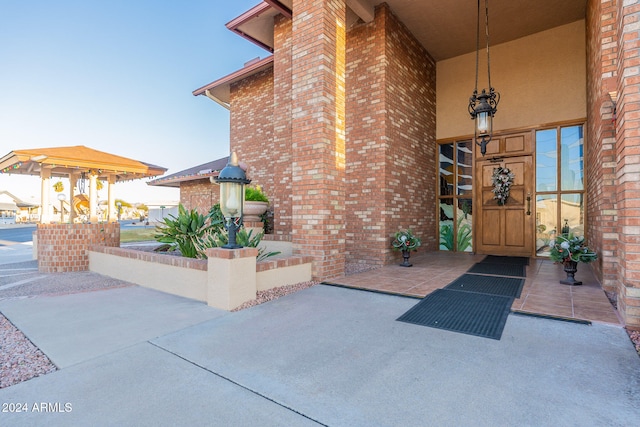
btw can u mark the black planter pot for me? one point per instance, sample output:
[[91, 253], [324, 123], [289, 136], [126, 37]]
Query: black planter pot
[[570, 267], [405, 256]]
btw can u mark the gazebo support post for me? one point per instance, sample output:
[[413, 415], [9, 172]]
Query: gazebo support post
[[93, 198], [73, 181], [45, 176], [113, 215]]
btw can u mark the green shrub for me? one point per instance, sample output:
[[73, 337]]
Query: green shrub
[[255, 194], [193, 233]]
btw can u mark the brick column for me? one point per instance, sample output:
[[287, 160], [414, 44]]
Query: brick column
[[280, 200], [318, 109], [628, 160], [600, 142]]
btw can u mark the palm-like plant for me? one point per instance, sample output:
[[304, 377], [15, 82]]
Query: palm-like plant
[[185, 231]]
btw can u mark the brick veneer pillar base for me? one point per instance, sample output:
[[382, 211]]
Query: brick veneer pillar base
[[64, 247]]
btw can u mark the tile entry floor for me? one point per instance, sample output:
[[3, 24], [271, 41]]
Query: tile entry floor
[[542, 293]]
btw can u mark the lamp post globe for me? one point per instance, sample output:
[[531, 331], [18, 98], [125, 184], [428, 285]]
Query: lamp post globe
[[232, 179]]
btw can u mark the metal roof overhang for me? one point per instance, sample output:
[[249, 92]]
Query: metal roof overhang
[[220, 90]]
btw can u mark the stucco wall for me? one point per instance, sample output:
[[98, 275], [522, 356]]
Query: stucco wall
[[185, 277], [541, 79]]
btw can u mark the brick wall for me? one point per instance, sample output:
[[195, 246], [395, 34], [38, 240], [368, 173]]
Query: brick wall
[[282, 148], [347, 166], [411, 105], [627, 158], [390, 138], [613, 156], [199, 194], [367, 143], [317, 123], [252, 130], [65, 247], [600, 142]]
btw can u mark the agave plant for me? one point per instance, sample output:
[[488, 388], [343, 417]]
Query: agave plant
[[243, 238], [185, 231]]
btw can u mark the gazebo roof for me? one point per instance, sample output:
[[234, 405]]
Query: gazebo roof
[[76, 159]]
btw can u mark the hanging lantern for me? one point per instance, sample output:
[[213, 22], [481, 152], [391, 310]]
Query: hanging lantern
[[483, 106]]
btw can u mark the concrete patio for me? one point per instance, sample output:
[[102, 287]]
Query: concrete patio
[[323, 356]]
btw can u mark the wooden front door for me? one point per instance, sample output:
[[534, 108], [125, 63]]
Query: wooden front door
[[507, 229]]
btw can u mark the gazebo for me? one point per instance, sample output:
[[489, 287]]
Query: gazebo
[[75, 163]]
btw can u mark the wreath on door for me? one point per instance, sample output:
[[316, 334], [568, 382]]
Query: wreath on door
[[502, 179]]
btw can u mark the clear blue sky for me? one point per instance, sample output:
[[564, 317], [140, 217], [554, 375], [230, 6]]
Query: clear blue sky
[[117, 76]]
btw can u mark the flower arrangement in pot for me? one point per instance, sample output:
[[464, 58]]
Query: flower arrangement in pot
[[569, 250], [405, 242]]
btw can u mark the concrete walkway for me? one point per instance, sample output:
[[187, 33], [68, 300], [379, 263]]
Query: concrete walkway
[[322, 356]]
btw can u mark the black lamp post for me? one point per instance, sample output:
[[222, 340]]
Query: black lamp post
[[232, 180], [483, 107]]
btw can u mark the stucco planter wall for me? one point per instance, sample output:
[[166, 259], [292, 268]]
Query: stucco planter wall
[[195, 278]]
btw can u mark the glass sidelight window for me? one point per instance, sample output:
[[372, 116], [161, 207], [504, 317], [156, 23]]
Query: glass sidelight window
[[455, 203], [559, 184]]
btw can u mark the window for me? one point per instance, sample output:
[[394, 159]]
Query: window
[[455, 203], [559, 184]]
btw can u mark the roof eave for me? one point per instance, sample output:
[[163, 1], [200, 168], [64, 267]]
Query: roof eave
[[240, 74]]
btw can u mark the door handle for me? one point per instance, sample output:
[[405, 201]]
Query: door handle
[[528, 203]]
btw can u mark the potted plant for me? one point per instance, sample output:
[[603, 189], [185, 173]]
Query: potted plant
[[569, 250], [405, 242], [58, 187], [255, 203]]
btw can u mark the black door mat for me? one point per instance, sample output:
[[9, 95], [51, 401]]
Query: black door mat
[[515, 270], [469, 313], [505, 286], [496, 259]]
